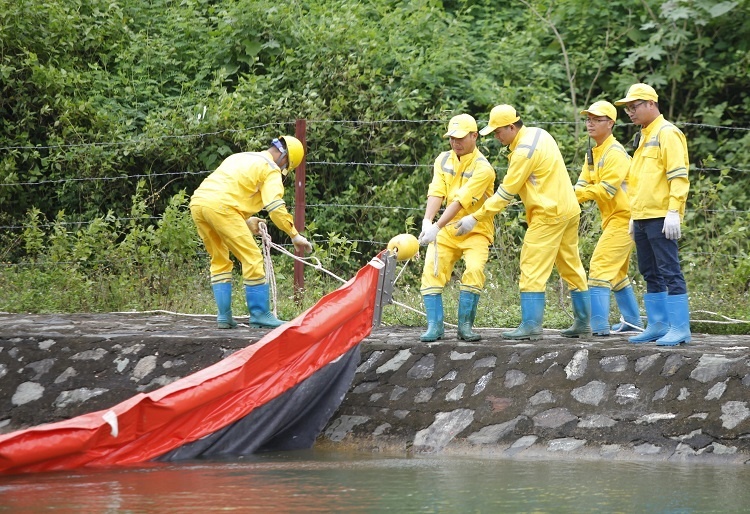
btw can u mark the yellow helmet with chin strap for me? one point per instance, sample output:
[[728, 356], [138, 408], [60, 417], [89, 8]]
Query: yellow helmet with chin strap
[[294, 151]]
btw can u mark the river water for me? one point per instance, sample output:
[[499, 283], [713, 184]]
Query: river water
[[332, 481]]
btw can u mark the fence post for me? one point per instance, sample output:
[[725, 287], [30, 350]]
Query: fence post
[[300, 131]]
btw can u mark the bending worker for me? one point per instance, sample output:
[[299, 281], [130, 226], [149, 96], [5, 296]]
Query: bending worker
[[602, 180], [536, 172], [464, 179], [658, 186], [242, 185]]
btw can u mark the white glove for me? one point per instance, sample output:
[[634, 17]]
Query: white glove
[[425, 225], [253, 223], [301, 244], [671, 228], [429, 234], [631, 230], [465, 225]]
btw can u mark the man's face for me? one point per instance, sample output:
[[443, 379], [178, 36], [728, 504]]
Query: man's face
[[640, 111], [598, 127], [464, 145], [505, 134]]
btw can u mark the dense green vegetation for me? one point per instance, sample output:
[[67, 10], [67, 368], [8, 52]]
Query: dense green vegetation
[[113, 112]]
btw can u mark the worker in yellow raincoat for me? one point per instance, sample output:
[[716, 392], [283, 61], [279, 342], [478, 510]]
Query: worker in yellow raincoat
[[243, 185], [602, 180], [658, 187], [537, 173], [463, 179]]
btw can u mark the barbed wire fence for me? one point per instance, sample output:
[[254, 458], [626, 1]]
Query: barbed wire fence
[[319, 166]]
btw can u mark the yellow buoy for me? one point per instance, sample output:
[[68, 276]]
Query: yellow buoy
[[403, 246]]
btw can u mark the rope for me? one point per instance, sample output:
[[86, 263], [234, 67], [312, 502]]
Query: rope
[[304, 260], [624, 323], [268, 244], [435, 260], [268, 264], [730, 322]]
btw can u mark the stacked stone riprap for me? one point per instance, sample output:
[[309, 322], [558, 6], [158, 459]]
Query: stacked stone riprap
[[602, 397], [598, 398], [55, 367]]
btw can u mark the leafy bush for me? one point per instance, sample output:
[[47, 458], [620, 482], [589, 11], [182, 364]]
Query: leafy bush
[[114, 112]]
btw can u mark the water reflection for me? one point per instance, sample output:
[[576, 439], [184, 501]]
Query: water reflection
[[325, 481]]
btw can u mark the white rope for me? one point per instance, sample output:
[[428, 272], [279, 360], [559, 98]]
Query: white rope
[[730, 322], [268, 264], [270, 276], [159, 311], [304, 260], [623, 324], [435, 260]]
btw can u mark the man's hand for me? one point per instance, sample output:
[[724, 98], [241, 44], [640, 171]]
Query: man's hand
[[301, 244], [465, 225], [631, 230], [429, 234], [425, 225], [671, 228], [253, 223]]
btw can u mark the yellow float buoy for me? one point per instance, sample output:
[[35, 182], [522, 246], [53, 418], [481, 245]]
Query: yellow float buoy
[[403, 246]]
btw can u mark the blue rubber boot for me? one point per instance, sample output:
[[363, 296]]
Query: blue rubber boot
[[433, 304], [656, 315], [223, 297], [532, 315], [678, 313], [258, 307], [581, 315], [467, 312], [599, 310], [628, 305]]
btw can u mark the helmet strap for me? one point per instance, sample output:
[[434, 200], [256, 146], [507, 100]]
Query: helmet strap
[[282, 151]]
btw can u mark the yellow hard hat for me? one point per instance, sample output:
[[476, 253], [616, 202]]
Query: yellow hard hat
[[295, 151], [403, 246]]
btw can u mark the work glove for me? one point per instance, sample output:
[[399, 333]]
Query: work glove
[[465, 225], [425, 225], [253, 223], [671, 228], [429, 234], [631, 230], [301, 244]]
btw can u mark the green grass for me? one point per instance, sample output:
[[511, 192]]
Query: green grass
[[52, 288]]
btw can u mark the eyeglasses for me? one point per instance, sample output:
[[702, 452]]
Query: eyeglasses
[[632, 107], [595, 120]]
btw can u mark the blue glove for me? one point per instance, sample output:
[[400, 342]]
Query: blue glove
[[465, 225], [671, 228]]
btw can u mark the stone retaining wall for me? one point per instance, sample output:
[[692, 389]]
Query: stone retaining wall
[[57, 367], [555, 398], [601, 398]]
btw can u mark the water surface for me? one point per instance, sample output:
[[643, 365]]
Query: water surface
[[330, 481]]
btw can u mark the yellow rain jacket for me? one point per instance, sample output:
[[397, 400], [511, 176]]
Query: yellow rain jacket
[[537, 173], [602, 182], [247, 182], [469, 181], [658, 176]]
